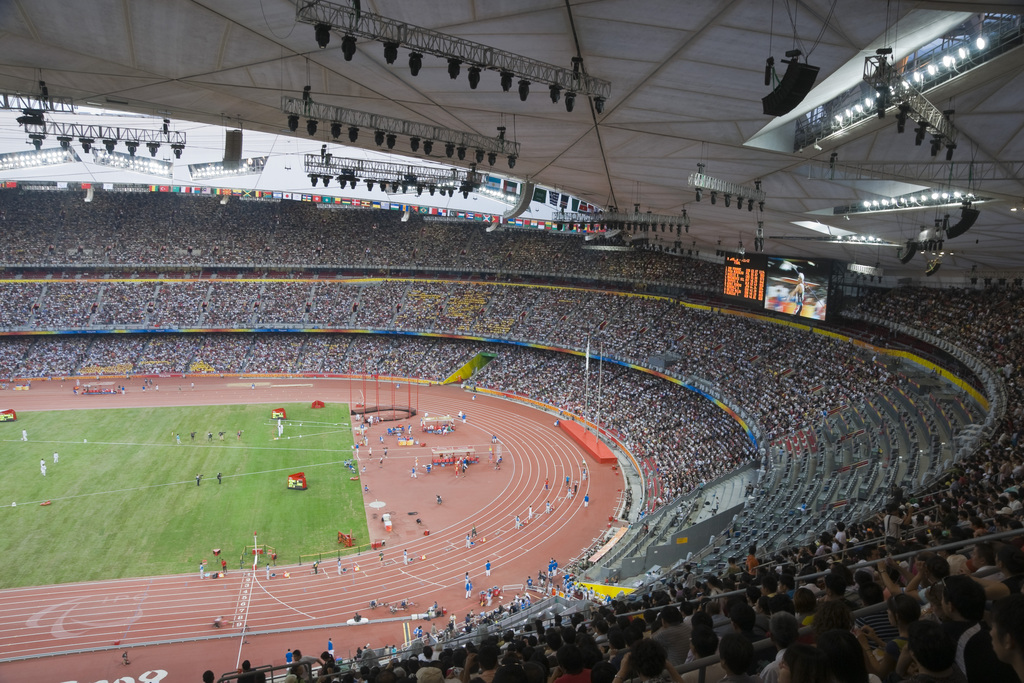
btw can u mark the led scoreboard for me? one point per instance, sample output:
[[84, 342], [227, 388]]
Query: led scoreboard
[[745, 276]]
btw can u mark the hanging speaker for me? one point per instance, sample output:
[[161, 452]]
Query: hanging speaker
[[796, 83], [232, 148], [967, 218], [906, 253]]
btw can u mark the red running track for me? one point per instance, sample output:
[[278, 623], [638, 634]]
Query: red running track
[[132, 613]]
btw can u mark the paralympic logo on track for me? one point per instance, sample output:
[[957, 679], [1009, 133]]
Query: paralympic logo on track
[[73, 618]]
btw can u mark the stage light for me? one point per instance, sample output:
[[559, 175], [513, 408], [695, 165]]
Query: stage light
[[714, 197], [327, 180], [311, 125], [390, 52], [394, 187], [556, 93], [369, 185], [728, 199], [428, 146], [87, 144], [415, 63], [511, 160], [491, 158], [153, 147], [699, 193], [37, 140], [323, 35], [419, 189], [474, 77], [462, 153], [431, 189], [936, 144], [524, 90], [739, 203], [352, 183], [109, 144], [353, 133], [750, 205], [599, 105], [570, 101], [414, 143], [176, 148], [950, 146], [314, 179], [921, 131], [65, 141], [506, 80], [391, 140], [479, 156], [378, 137], [454, 67], [335, 129], [348, 47], [449, 149], [901, 118], [293, 122]]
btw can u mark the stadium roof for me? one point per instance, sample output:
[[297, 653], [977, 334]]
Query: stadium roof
[[686, 80]]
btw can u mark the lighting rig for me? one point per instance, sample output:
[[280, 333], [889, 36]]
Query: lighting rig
[[353, 23], [404, 177], [386, 130], [753, 196]]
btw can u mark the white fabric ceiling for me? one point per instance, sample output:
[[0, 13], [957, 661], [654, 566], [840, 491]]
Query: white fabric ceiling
[[686, 79]]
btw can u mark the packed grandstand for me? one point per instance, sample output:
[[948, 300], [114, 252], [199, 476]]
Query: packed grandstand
[[905, 407]]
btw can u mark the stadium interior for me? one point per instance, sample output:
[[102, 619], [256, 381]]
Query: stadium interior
[[805, 312]]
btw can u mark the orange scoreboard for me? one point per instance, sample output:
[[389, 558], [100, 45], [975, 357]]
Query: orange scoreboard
[[745, 276]]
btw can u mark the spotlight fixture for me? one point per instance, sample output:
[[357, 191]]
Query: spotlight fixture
[[524, 89], [293, 122], [511, 160], [109, 144], [933, 267], [901, 117], [750, 205], [454, 66], [415, 63], [390, 52], [391, 140], [323, 35], [335, 129], [950, 146], [65, 141], [714, 197], [414, 143], [428, 146], [311, 125], [686, 220], [462, 153], [921, 131], [474, 77], [570, 101], [378, 137], [449, 149], [394, 187], [327, 180], [556, 93], [479, 156], [419, 189], [369, 185], [352, 183], [491, 158], [153, 147], [177, 148], [87, 144], [37, 140], [936, 145], [700, 193], [506, 80], [739, 203], [353, 133], [728, 199], [599, 105], [314, 179], [348, 47]]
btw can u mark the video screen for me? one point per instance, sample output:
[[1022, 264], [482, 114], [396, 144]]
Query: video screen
[[797, 287], [744, 276]]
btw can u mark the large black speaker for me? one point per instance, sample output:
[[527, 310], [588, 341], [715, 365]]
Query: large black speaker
[[796, 83], [906, 253], [232, 148], [967, 218]]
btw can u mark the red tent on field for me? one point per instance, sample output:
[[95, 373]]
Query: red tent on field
[[297, 481], [278, 414], [318, 404], [8, 415]]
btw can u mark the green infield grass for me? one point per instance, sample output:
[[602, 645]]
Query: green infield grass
[[124, 500]]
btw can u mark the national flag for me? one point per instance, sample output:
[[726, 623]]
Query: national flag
[[540, 195], [553, 198]]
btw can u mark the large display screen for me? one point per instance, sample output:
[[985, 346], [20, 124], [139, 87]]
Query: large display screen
[[744, 276], [797, 287]]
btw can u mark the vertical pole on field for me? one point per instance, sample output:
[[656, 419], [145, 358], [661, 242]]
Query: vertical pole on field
[[255, 554]]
